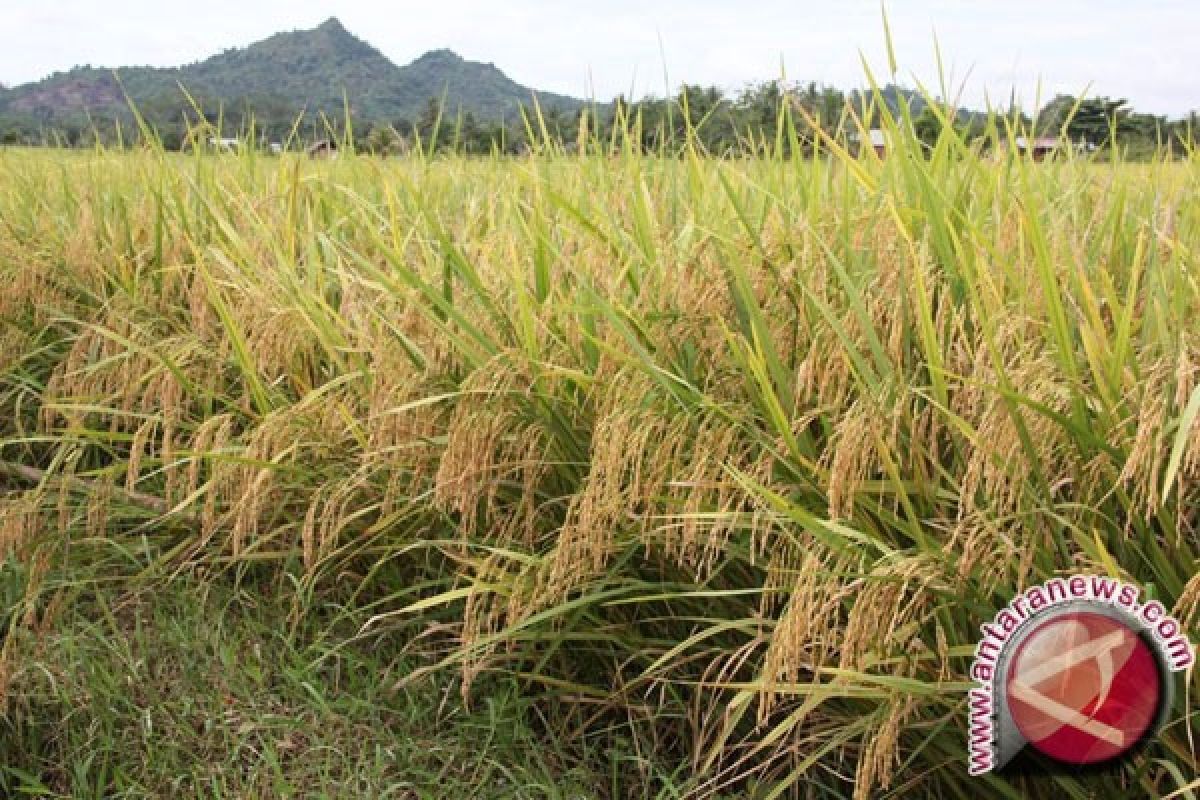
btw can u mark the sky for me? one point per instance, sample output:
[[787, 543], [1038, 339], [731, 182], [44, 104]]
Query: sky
[[991, 50]]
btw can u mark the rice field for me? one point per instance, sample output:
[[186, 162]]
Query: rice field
[[731, 456]]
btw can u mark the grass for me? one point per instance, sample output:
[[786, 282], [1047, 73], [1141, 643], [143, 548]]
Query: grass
[[720, 463], [202, 688]]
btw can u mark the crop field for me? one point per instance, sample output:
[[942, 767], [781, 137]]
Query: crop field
[[717, 463]]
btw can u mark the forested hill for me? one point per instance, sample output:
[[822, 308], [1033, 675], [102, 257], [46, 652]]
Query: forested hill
[[318, 70]]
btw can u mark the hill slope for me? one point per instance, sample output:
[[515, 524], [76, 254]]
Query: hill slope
[[314, 69]]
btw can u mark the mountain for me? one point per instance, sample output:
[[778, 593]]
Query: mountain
[[317, 69]]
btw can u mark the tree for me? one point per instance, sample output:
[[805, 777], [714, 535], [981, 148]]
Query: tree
[[431, 127], [928, 127], [1186, 131], [382, 140], [1054, 115], [761, 105], [1097, 119]]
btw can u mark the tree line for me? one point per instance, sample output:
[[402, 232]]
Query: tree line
[[771, 116]]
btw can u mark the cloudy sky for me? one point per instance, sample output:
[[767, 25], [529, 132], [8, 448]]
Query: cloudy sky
[[1145, 50]]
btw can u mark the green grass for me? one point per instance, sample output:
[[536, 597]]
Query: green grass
[[203, 688]]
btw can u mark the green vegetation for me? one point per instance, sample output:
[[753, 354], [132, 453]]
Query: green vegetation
[[205, 691], [720, 463]]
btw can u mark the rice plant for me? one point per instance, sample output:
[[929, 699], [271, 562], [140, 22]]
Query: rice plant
[[734, 455]]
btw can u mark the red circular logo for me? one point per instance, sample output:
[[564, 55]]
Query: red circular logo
[[1083, 688]]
